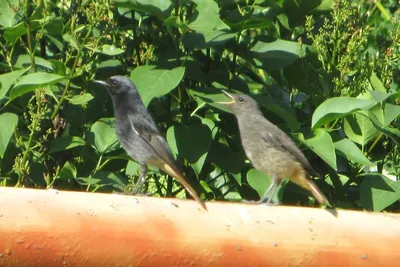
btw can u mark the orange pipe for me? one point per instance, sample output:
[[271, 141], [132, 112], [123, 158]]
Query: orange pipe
[[58, 228]]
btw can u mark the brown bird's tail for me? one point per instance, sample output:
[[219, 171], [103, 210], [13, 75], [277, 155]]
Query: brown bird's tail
[[319, 196], [174, 172], [301, 178]]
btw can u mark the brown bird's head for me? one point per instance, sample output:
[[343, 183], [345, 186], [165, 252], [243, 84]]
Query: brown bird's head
[[240, 103]]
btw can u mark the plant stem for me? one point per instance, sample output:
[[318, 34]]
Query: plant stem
[[29, 37], [64, 95]]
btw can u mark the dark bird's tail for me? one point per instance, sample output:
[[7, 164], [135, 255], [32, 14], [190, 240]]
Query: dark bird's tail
[[174, 172]]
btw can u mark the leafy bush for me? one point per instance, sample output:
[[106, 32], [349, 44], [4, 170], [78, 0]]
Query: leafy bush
[[324, 71]]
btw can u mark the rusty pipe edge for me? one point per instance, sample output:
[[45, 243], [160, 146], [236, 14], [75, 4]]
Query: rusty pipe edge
[[58, 228]]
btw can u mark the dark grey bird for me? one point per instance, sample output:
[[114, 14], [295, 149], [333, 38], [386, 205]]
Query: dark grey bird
[[139, 135], [270, 150]]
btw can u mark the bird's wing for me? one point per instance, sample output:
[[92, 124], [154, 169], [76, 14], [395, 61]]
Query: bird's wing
[[148, 131], [280, 139]]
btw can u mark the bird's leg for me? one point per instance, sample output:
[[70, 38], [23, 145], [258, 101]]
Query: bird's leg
[[269, 194], [142, 178]]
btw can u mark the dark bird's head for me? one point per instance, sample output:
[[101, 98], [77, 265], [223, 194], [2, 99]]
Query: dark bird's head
[[118, 85], [240, 103]]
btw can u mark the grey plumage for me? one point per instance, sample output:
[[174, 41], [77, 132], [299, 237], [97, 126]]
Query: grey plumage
[[138, 133], [270, 150]]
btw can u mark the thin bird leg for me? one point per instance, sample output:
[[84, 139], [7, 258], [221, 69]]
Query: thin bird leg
[[269, 194], [142, 178]]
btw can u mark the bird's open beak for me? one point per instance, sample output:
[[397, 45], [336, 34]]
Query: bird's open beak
[[102, 83], [228, 95]]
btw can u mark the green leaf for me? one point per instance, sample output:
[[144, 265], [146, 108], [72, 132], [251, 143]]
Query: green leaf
[[64, 143], [132, 168], [359, 128], [191, 142], [258, 181], [109, 178], [392, 112], [376, 83], [110, 50], [68, 171], [322, 145], [159, 8], [7, 79], [351, 152], [281, 52], [209, 29], [153, 82], [87, 180], [8, 12], [105, 138], [377, 192], [33, 81], [176, 22], [225, 158], [338, 107], [8, 122], [80, 99]]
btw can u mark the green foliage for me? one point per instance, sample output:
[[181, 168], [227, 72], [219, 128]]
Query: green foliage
[[324, 71]]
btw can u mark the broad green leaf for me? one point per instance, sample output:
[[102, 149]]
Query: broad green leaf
[[8, 12], [109, 178], [352, 152], [338, 107], [258, 181], [261, 182], [68, 171], [110, 50], [377, 192], [209, 28], [191, 142], [153, 82], [105, 138], [159, 8], [64, 143], [80, 99], [225, 158], [87, 180], [8, 122], [392, 112], [132, 168], [176, 22], [359, 128], [33, 81], [13, 33], [322, 145], [25, 61], [276, 54], [7, 79], [376, 83]]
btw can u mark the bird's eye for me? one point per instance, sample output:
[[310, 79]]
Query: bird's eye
[[113, 82], [241, 99]]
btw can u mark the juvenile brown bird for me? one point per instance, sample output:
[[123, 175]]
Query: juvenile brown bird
[[270, 150], [139, 135]]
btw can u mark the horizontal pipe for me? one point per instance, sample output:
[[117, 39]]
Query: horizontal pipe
[[59, 228]]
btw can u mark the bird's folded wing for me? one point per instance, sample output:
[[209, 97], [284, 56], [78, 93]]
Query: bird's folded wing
[[148, 131], [287, 144]]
